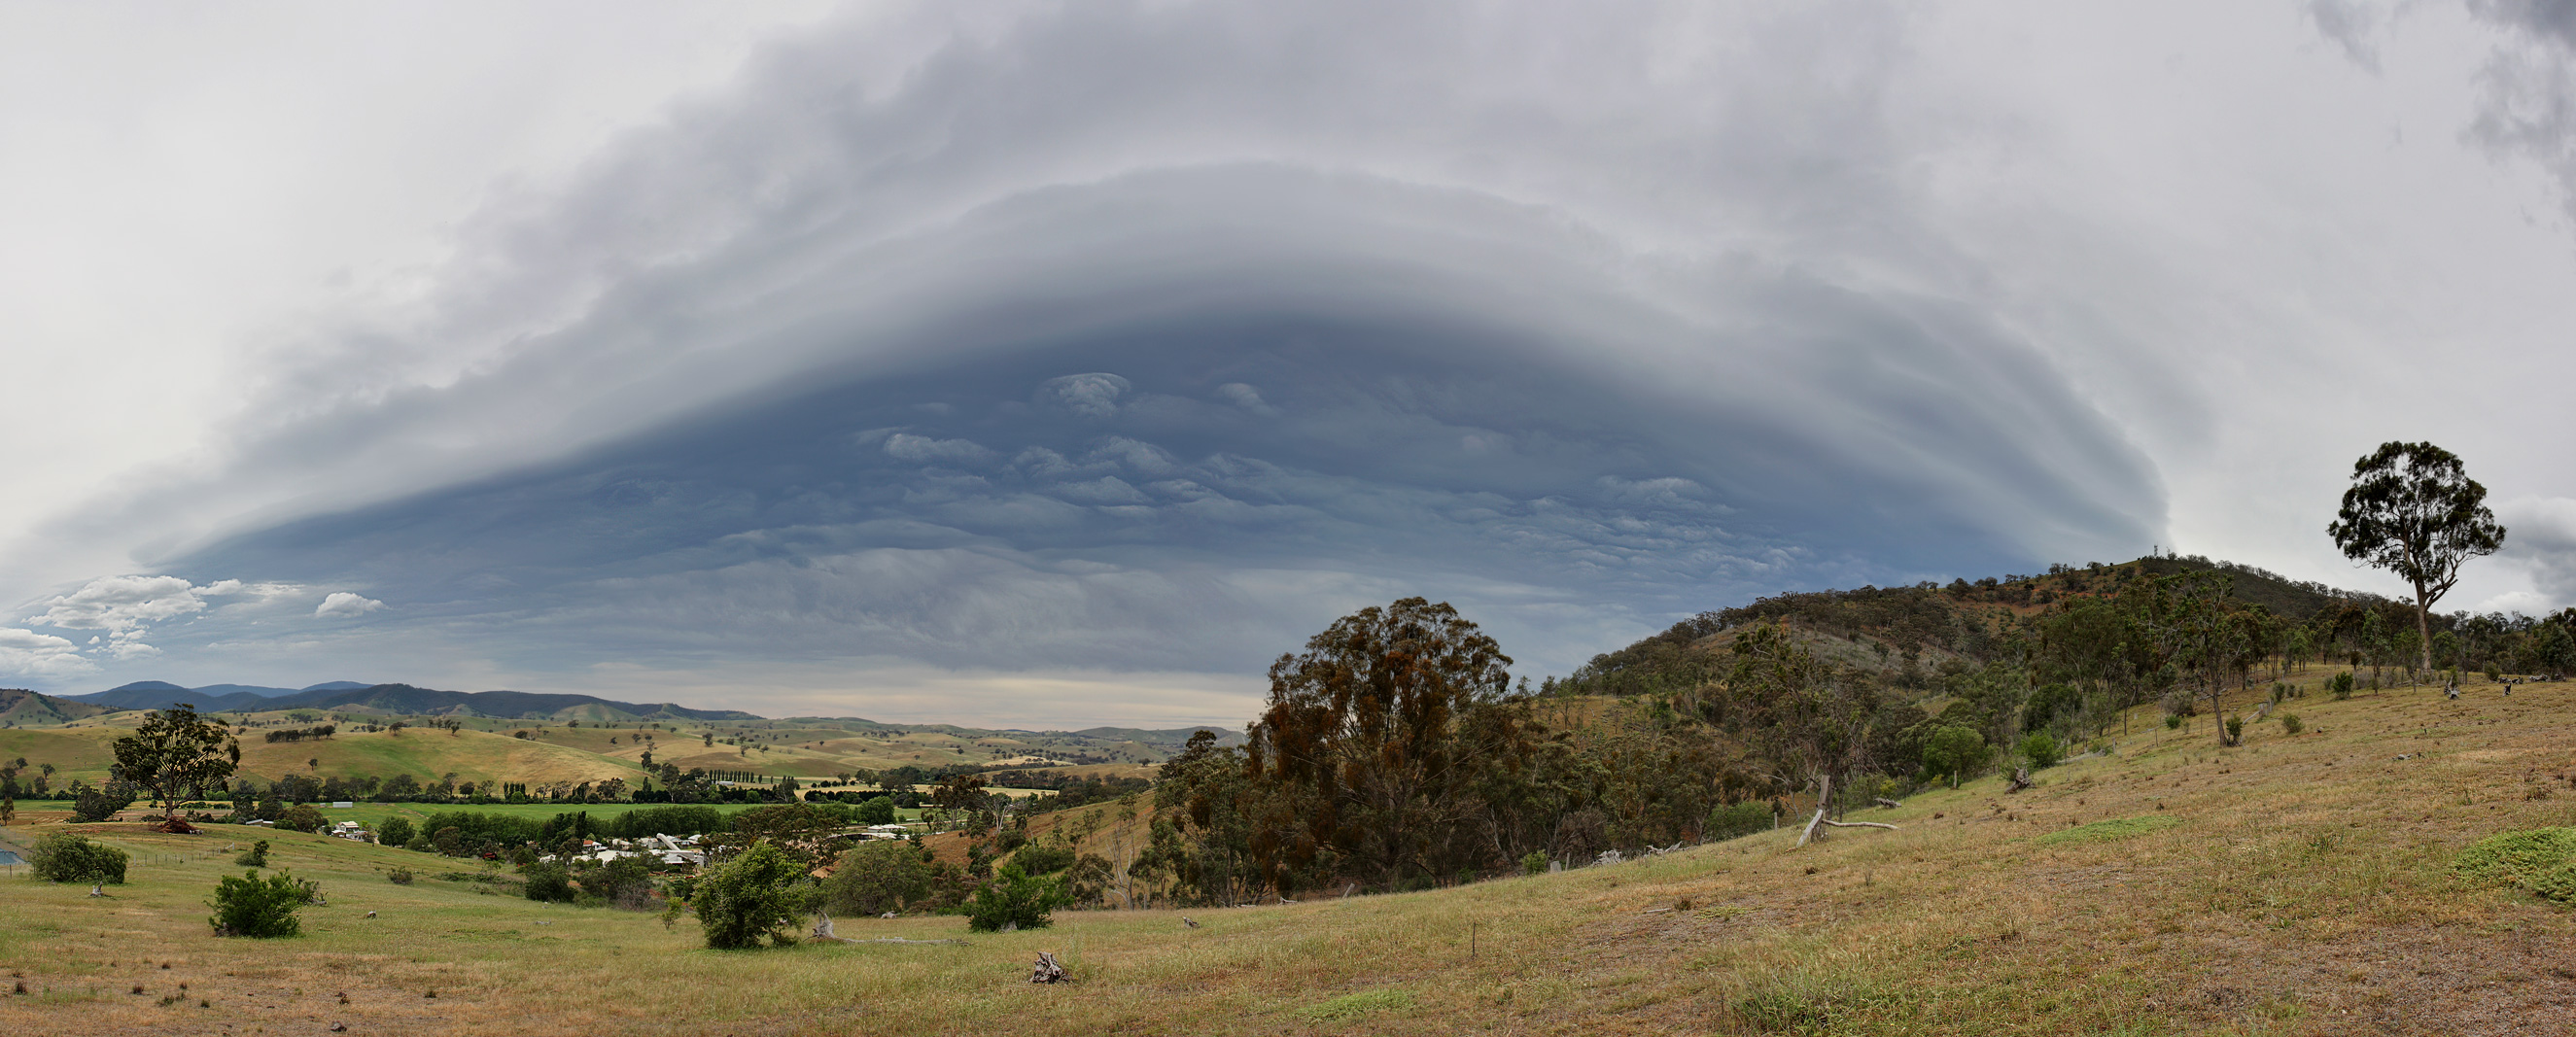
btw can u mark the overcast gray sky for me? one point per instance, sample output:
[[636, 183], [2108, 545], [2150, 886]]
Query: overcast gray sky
[[1062, 363]]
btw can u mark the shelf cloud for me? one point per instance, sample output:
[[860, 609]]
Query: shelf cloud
[[1149, 337]]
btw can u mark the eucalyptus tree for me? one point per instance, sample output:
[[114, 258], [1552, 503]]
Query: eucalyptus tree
[[2413, 510], [175, 751], [1806, 716], [1364, 748]]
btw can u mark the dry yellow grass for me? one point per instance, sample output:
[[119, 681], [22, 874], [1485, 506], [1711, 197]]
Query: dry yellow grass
[[2303, 888]]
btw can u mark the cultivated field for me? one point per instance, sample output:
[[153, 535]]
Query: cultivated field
[[2297, 885]]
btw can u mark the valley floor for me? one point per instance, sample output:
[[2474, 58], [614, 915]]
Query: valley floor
[[2300, 884]]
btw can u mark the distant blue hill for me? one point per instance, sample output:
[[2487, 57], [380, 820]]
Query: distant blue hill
[[211, 698], [392, 698]]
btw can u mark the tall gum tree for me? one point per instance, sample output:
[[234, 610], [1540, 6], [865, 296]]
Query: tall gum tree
[[176, 751], [2414, 511]]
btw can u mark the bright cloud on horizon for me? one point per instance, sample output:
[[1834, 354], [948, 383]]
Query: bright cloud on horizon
[[1033, 345]]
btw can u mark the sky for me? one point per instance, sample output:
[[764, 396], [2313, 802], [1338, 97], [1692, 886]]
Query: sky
[[1056, 364]]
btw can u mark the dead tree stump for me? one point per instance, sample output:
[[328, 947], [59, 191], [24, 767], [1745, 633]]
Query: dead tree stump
[[1048, 971], [2020, 780]]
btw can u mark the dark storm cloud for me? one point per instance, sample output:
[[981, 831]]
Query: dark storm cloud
[[2527, 104], [1152, 336]]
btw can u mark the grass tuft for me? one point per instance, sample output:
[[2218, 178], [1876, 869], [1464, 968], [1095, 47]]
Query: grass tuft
[[2115, 828], [1802, 1003], [1353, 1006]]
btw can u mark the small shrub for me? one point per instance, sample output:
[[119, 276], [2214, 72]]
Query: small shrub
[[1535, 861], [1015, 899], [255, 857], [256, 907], [71, 858], [2235, 730], [399, 876], [2340, 686], [2173, 721], [2042, 750], [2290, 724]]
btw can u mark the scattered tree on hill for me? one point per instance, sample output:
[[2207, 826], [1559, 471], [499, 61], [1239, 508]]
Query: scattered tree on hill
[[1809, 718], [177, 752], [2413, 510]]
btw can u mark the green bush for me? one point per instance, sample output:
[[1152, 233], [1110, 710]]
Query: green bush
[[1535, 861], [255, 857], [1733, 821], [257, 907], [399, 876], [1953, 750], [1044, 860], [1014, 899], [2340, 686], [878, 811], [65, 857], [2042, 750], [2173, 721], [2290, 724], [395, 831], [2235, 730], [549, 882], [95, 804], [756, 895]]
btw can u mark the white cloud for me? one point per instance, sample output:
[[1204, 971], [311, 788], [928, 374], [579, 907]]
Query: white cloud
[[29, 653], [344, 605], [120, 603]]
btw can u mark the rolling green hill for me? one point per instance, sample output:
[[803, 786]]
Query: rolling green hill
[[21, 707]]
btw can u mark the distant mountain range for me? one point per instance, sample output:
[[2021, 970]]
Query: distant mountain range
[[399, 699]]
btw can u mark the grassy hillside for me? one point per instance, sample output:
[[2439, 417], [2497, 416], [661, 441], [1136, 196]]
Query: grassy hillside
[[21, 707], [2299, 884], [1885, 628], [471, 755]]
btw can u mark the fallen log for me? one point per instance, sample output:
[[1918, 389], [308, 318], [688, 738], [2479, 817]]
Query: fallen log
[[1864, 824]]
